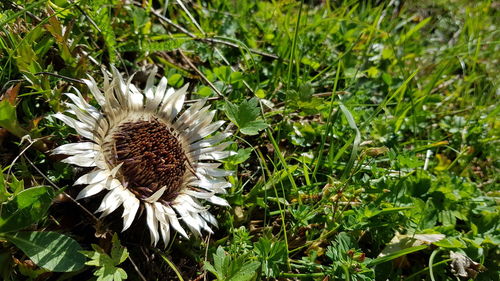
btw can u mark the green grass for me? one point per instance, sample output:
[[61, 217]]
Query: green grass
[[371, 124]]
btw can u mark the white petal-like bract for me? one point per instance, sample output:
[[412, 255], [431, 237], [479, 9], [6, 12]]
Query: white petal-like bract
[[147, 153]]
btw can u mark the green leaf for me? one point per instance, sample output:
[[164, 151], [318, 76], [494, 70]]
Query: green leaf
[[396, 255], [7, 112], [204, 91], [246, 272], [272, 254], [221, 260], [246, 116], [107, 264], [118, 253], [338, 250], [97, 257], [450, 242], [211, 269], [6, 19], [227, 269], [176, 80], [50, 250], [26, 208], [110, 273], [104, 19], [241, 156], [8, 118], [357, 140], [156, 46], [307, 61], [253, 127], [260, 93], [235, 77], [413, 30], [223, 73], [4, 194], [16, 185]]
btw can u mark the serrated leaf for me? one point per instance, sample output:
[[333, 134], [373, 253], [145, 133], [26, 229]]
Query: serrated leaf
[[107, 264], [118, 253], [104, 21], [110, 273], [25, 209], [246, 116], [94, 258], [50, 250], [120, 274], [228, 269], [97, 257], [253, 127]]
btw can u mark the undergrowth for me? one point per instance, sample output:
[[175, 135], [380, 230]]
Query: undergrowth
[[366, 135]]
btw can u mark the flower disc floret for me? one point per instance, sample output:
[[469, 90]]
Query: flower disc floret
[[147, 153]]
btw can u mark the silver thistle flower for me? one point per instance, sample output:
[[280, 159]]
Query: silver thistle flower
[[148, 155]]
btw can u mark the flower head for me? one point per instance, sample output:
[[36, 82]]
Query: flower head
[[148, 154]]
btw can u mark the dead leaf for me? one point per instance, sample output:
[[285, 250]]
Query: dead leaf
[[11, 94], [403, 241], [463, 266], [376, 151]]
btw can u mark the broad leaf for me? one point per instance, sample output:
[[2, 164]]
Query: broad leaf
[[246, 272], [50, 250], [118, 253], [26, 208], [107, 264], [246, 116], [241, 156]]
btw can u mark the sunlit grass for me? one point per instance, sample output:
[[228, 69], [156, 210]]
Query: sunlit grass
[[360, 129]]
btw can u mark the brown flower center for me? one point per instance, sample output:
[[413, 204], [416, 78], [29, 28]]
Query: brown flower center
[[152, 158]]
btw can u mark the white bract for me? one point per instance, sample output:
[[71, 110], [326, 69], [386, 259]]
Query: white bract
[[148, 154]]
